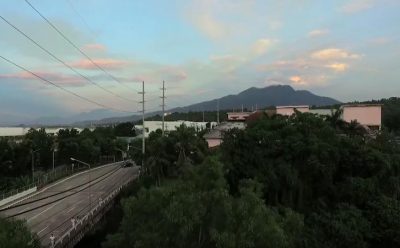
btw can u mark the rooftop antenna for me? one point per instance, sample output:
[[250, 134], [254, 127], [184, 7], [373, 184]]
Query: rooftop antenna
[[218, 111]]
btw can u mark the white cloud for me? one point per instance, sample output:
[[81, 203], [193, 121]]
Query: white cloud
[[318, 32], [261, 46], [275, 25], [333, 53], [210, 26], [338, 67]]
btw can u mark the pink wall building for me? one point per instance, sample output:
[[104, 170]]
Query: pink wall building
[[238, 116], [369, 115], [290, 110]]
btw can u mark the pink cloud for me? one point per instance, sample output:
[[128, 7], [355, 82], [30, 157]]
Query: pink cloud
[[357, 6], [297, 80], [174, 74], [338, 67], [111, 64], [95, 47], [58, 78], [169, 74]]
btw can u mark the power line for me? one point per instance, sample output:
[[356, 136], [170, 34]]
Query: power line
[[62, 88], [75, 46], [81, 17], [61, 61]]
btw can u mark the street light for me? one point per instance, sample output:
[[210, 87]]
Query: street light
[[90, 180], [33, 164], [54, 151], [123, 153]]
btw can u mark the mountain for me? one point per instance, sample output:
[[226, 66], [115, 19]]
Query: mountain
[[276, 95], [262, 97], [250, 98], [86, 117]]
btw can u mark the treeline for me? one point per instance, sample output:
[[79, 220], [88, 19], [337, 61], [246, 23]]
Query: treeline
[[89, 146], [209, 116], [300, 181], [390, 113]]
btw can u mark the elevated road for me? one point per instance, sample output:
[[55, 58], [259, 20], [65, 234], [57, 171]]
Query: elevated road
[[51, 210]]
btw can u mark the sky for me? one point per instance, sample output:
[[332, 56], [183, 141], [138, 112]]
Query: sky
[[203, 49]]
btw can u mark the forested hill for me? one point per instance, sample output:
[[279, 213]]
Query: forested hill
[[268, 96], [250, 98]]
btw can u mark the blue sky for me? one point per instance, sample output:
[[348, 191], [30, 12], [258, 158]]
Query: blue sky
[[203, 49]]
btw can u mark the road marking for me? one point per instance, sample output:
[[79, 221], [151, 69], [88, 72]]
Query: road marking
[[47, 209], [75, 205], [23, 210], [42, 230], [71, 209]]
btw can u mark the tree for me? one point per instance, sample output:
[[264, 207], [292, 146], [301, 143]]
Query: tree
[[197, 211], [343, 227], [125, 129], [43, 143], [15, 234]]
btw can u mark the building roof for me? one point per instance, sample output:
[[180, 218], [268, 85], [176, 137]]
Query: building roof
[[213, 134], [362, 105], [240, 113], [293, 106], [218, 131]]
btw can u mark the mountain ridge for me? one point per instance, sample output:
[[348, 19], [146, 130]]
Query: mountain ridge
[[262, 97], [250, 98]]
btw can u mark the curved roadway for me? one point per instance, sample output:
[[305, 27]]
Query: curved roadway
[[68, 198]]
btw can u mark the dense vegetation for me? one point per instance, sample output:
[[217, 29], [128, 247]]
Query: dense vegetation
[[89, 146], [390, 113], [302, 181], [15, 234]]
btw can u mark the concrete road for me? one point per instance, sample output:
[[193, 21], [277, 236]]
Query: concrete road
[[74, 199]]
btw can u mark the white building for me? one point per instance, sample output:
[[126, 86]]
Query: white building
[[152, 126], [290, 110]]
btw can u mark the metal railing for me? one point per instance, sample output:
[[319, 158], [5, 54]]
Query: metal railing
[[6, 194], [74, 234], [44, 179]]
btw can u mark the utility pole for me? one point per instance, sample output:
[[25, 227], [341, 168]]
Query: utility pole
[[143, 126], [33, 167], [218, 111], [242, 108], [163, 106], [203, 114]]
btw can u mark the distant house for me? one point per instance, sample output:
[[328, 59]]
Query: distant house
[[238, 116], [369, 115], [290, 110], [214, 136]]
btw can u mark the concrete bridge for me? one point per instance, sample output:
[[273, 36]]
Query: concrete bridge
[[71, 207]]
